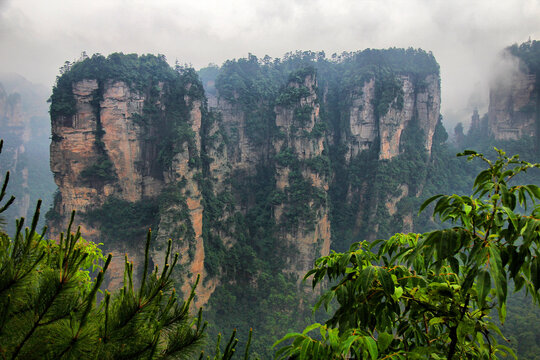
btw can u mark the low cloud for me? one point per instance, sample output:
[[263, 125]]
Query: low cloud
[[465, 37]]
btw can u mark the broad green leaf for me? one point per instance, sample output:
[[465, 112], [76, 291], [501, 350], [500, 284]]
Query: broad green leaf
[[429, 201], [483, 285], [384, 340], [436, 320], [366, 277], [304, 351], [309, 273], [499, 277], [371, 347], [512, 216], [286, 337], [316, 350], [508, 199], [495, 328], [311, 327], [333, 338], [535, 190], [481, 178], [398, 292], [519, 281], [386, 281], [346, 345], [502, 312], [506, 350], [521, 198]]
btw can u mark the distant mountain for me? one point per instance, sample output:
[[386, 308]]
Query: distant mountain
[[25, 129]]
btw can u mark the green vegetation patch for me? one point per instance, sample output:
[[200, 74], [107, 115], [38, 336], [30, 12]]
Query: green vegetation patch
[[131, 219]]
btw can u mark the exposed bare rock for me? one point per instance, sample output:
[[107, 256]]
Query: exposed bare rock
[[364, 127], [309, 241], [129, 146], [418, 102], [513, 105]]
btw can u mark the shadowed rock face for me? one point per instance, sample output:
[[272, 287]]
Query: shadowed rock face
[[513, 106], [106, 135]]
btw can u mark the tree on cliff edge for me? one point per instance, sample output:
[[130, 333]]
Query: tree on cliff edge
[[429, 296]]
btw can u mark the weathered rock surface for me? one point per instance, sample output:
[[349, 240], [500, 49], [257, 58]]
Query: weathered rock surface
[[365, 129], [513, 106], [309, 240], [130, 147]]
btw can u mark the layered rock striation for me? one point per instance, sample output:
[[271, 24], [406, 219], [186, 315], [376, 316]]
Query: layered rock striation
[[123, 158], [366, 127]]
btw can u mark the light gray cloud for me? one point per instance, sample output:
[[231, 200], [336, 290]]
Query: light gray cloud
[[465, 36]]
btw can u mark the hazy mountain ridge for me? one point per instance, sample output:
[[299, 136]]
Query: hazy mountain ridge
[[25, 129]]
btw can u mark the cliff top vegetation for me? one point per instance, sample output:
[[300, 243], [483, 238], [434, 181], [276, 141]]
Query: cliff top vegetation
[[529, 53], [138, 72]]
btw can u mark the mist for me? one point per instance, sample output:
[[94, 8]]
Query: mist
[[37, 37]]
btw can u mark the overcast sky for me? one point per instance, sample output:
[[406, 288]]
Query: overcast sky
[[37, 36]]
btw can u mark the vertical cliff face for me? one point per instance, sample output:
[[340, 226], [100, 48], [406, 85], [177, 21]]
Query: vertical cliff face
[[125, 159], [513, 106], [72, 151], [302, 168], [514, 100]]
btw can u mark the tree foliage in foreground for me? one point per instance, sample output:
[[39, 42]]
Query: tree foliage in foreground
[[430, 296], [48, 306]]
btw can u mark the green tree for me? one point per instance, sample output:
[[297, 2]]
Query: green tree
[[430, 295]]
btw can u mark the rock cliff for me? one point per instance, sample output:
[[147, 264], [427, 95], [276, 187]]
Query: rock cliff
[[251, 189], [111, 161], [365, 128], [514, 99], [513, 107], [309, 236]]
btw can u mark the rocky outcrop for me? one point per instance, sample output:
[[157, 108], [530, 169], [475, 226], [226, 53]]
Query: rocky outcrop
[[309, 236], [383, 128], [514, 106], [109, 129], [418, 101]]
